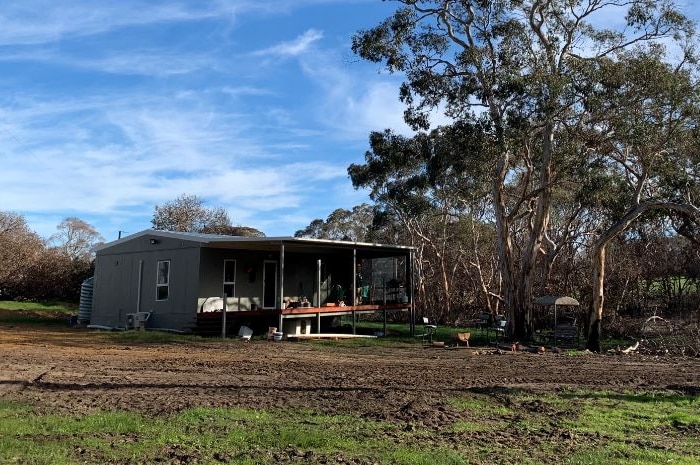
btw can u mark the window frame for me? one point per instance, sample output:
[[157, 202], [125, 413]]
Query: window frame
[[166, 284], [229, 283]]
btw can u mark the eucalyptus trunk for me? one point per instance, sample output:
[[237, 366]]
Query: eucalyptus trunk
[[524, 322], [504, 246], [596, 315]]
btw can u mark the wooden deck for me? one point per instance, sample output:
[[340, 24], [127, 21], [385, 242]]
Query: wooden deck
[[326, 311], [343, 310], [209, 323]]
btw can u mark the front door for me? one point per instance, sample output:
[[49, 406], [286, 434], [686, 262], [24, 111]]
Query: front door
[[269, 284]]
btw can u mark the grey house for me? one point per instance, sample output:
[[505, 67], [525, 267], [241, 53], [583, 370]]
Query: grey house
[[183, 281]]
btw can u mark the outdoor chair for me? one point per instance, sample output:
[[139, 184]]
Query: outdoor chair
[[428, 331], [483, 321], [245, 333], [500, 328]]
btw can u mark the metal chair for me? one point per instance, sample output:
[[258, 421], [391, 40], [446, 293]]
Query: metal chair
[[428, 331], [500, 329], [483, 322]]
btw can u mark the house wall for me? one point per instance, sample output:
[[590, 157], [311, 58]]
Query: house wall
[[248, 288], [116, 288]]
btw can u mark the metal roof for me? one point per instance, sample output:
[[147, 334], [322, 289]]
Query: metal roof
[[248, 242]]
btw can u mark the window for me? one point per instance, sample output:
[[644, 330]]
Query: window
[[163, 280], [230, 278]]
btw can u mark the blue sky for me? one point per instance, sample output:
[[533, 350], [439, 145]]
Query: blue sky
[[258, 106], [255, 106]]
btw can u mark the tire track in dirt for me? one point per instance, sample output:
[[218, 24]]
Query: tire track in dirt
[[81, 372]]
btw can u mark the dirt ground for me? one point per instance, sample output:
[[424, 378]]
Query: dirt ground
[[78, 370]]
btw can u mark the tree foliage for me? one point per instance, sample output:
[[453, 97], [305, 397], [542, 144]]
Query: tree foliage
[[546, 88], [30, 269], [647, 113], [76, 238], [426, 185], [20, 248], [187, 213], [342, 225]]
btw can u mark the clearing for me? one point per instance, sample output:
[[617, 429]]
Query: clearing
[[81, 370]]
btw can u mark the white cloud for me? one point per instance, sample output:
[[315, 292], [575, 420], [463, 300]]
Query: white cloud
[[293, 48], [123, 156], [107, 130], [376, 109], [37, 22], [155, 63], [244, 90], [357, 100]]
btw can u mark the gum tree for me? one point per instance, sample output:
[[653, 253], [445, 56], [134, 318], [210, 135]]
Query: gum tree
[[648, 112], [187, 213], [341, 224], [421, 183], [514, 63]]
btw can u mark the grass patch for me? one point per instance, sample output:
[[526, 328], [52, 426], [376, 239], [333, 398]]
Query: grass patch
[[497, 427], [203, 435], [49, 307], [624, 415], [51, 313], [401, 332], [577, 428]]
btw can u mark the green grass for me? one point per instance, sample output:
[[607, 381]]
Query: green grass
[[498, 426], [479, 337], [36, 312], [401, 332], [48, 307], [591, 427], [202, 435]]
